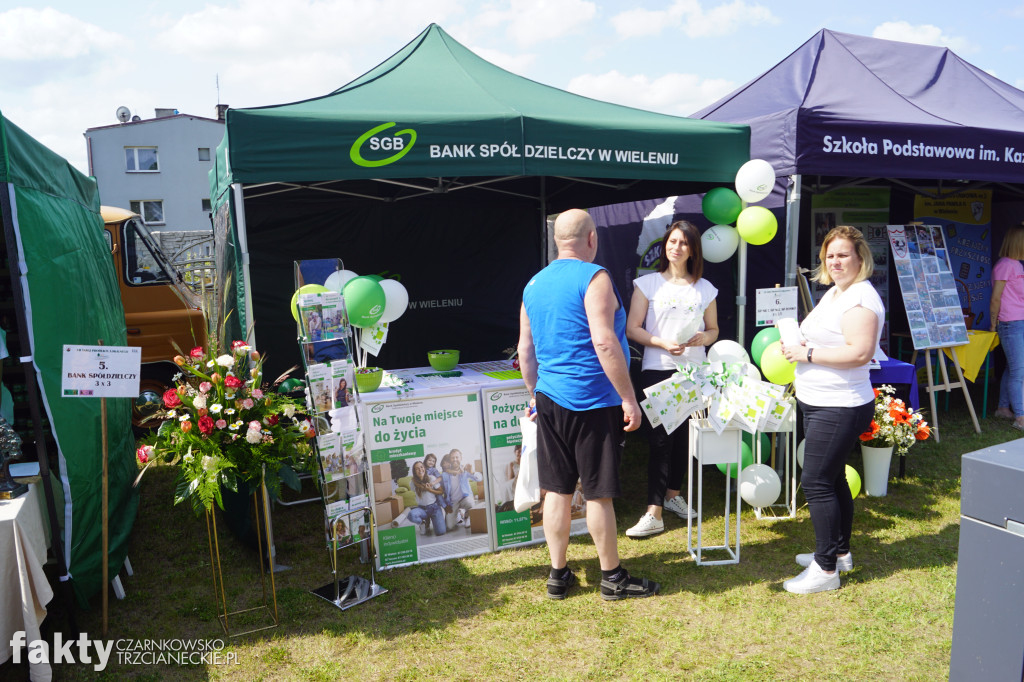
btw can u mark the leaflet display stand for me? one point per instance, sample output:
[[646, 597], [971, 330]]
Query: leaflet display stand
[[341, 473], [709, 447]]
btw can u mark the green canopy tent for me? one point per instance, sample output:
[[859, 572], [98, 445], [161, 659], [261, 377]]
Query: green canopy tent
[[63, 292], [438, 168]]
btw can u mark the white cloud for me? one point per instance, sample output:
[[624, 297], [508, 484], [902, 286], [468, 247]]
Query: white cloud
[[529, 22], [679, 94], [922, 34], [31, 34], [692, 18], [263, 29]]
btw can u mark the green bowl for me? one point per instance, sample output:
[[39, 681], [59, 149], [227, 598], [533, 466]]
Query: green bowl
[[368, 379], [443, 360]]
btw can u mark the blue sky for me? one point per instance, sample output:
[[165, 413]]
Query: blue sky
[[67, 65]]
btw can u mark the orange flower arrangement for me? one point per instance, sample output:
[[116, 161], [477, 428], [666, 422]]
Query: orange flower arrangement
[[894, 425]]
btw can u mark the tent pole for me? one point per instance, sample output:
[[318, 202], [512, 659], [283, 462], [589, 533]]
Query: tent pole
[[792, 227], [741, 292], [543, 222], [243, 247]]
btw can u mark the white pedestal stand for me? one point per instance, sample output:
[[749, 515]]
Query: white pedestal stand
[[708, 447], [786, 434]]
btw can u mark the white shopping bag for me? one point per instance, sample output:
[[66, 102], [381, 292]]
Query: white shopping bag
[[528, 481]]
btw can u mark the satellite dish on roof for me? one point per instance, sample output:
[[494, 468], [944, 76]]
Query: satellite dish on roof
[[124, 114], [136, 118]]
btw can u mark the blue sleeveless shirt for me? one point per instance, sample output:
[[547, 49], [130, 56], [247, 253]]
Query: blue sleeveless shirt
[[569, 371]]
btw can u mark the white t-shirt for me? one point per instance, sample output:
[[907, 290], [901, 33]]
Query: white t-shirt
[[826, 386], [675, 312]]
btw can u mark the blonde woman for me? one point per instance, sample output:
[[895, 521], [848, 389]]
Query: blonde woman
[[834, 392]]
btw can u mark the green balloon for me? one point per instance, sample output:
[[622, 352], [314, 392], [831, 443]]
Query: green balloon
[[853, 480], [290, 384], [747, 457], [777, 369], [721, 206], [766, 446], [364, 301], [762, 340]]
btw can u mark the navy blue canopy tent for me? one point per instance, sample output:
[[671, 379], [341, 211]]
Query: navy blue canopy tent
[[847, 106], [847, 109]]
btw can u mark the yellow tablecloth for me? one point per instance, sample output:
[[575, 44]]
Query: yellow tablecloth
[[973, 353]]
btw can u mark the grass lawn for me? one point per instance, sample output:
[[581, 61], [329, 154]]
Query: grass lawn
[[486, 618]]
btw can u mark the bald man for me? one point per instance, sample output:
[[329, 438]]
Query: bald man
[[574, 359]]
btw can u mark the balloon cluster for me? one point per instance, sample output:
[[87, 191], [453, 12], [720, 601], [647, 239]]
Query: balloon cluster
[[766, 351], [722, 206], [369, 299]]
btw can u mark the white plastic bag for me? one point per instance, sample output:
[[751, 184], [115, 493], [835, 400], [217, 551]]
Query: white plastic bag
[[528, 481]]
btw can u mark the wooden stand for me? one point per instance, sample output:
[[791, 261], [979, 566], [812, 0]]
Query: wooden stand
[[263, 540], [945, 385]]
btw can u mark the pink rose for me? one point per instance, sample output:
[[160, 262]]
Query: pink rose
[[232, 382], [257, 393], [144, 453], [196, 352], [221, 424], [205, 387], [248, 403], [254, 425], [171, 398]]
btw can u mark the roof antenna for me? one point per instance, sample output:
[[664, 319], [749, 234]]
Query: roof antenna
[[218, 87]]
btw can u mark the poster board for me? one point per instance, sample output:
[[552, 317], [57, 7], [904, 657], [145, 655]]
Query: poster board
[[400, 434], [929, 291], [503, 406], [966, 218]]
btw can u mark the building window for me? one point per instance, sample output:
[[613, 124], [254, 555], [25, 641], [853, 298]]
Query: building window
[[204, 153], [141, 160], [152, 212], [206, 206]]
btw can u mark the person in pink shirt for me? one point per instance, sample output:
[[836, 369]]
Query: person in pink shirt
[[1006, 311]]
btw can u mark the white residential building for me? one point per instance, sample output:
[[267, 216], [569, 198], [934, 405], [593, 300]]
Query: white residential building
[[158, 167]]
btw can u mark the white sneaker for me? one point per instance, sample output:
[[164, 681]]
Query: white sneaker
[[647, 525], [843, 563], [423, 527], [812, 580], [677, 505]]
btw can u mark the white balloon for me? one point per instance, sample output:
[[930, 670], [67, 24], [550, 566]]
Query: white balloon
[[755, 180], [337, 280], [760, 485], [753, 372], [727, 351], [719, 242], [800, 453], [396, 299]]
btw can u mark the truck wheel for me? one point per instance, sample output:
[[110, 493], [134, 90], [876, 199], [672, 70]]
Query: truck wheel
[[153, 382]]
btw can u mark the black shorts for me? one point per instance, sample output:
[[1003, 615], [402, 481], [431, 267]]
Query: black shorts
[[583, 445]]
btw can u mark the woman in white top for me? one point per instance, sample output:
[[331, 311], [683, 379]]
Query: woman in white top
[[833, 389], [674, 316]]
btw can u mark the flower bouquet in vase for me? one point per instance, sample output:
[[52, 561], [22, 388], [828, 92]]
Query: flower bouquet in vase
[[226, 428], [893, 427]]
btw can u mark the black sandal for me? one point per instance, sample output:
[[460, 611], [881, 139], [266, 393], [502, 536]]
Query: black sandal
[[628, 587], [559, 588]]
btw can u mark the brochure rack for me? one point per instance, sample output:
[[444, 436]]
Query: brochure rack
[[325, 339]]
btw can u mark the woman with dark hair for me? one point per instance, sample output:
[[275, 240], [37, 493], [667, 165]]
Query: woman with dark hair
[[1006, 312], [428, 489], [834, 392], [674, 316]]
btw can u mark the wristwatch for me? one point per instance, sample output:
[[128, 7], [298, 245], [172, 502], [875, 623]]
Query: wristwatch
[[810, 352]]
